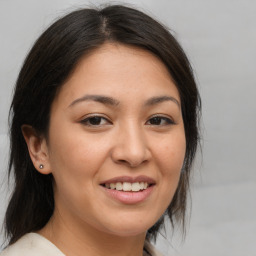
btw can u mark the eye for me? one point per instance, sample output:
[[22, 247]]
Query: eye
[[160, 121], [95, 121]]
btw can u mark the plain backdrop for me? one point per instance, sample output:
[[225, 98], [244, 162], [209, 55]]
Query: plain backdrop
[[220, 39]]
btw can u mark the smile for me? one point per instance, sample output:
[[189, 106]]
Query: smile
[[129, 190], [127, 186]]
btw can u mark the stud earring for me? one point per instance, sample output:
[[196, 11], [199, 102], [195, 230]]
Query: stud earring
[[41, 166]]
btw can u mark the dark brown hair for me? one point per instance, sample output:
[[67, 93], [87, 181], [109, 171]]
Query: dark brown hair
[[49, 63]]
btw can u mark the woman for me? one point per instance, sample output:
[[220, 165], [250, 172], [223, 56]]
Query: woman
[[104, 130]]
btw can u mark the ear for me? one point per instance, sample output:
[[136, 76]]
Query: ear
[[38, 149]]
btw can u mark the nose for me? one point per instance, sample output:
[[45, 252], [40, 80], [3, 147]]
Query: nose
[[130, 147]]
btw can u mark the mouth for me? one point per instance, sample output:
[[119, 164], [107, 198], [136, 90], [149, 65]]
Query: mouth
[[127, 186], [129, 190]]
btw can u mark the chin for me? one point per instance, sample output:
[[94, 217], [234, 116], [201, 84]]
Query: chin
[[130, 227], [128, 232]]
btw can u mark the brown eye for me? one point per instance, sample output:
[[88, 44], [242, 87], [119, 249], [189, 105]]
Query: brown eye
[[95, 121], [160, 120]]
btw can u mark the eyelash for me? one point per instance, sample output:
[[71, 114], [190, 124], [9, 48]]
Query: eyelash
[[98, 119], [167, 120], [89, 119]]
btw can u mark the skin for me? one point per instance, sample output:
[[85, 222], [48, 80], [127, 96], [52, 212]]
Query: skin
[[81, 152]]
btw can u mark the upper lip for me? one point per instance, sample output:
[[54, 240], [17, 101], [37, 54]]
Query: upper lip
[[130, 179]]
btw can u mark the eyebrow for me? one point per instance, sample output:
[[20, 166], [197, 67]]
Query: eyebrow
[[113, 102], [160, 99], [98, 98]]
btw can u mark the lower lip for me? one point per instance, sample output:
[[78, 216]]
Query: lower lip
[[129, 197]]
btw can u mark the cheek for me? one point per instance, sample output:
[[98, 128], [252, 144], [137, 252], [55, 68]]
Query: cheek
[[169, 155], [73, 147], [76, 159], [170, 158], [75, 162], [67, 157], [172, 152]]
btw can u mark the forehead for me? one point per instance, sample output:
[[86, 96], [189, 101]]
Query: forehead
[[118, 71]]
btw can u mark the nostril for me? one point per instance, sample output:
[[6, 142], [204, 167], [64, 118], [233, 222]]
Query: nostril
[[122, 162], [132, 164]]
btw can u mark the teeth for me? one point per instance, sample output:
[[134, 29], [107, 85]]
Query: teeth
[[127, 186], [141, 185], [112, 185], [136, 186], [119, 186]]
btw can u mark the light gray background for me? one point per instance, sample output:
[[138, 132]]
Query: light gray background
[[220, 39]]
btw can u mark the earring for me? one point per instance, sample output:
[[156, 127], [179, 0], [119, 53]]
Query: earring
[[41, 166]]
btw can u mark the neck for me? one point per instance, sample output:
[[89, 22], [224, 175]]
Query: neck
[[84, 239]]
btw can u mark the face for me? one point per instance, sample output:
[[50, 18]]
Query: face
[[116, 142]]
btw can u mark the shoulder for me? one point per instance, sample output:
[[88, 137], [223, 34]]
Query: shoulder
[[150, 250], [32, 244]]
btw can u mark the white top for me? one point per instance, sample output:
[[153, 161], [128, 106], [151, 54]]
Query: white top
[[33, 244]]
